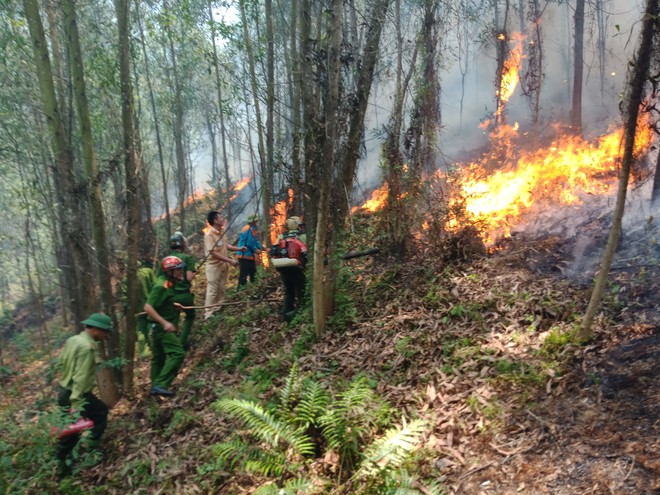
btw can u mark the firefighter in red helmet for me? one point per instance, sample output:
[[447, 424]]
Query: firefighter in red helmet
[[167, 352]]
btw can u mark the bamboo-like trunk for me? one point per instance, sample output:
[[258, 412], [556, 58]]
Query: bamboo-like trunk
[[152, 100], [578, 68], [131, 166], [642, 63], [266, 172], [78, 276]]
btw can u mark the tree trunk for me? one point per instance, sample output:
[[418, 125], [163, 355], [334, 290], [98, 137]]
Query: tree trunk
[[108, 392], [91, 172], [181, 171], [296, 73], [396, 214], [270, 92], [578, 68], [152, 100], [131, 164], [319, 282], [266, 172], [655, 193], [79, 276], [221, 114], [312, 130], [640, 72]]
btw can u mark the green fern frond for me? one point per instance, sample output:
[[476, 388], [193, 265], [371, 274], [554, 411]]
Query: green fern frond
[[265, 463], [313, 404], [232, 452], [265, 425], [356, 397], [401, 483], [291, 389], [298, 486], [392, 449]]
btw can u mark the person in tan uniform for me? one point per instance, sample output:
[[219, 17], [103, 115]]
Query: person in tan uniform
[[216, 249]]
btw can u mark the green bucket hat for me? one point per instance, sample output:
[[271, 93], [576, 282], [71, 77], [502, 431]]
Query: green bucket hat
[[99, 320], [253, 218]]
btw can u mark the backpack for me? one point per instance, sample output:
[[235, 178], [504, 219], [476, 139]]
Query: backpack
[[289, 251]]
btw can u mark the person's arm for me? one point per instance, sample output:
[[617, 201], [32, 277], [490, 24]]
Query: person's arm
[[153, 314], [85, 360], [231, 247], [256, 243]]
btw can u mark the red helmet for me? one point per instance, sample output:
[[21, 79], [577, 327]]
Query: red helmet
[[171, 263]]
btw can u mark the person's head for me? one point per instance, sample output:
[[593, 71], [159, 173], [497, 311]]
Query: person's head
[[98, 325], [172, 267], [293, 223], [253, 219], [215, 219], [177, 241]]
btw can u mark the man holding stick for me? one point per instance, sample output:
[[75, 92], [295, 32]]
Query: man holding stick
[[217, 260]]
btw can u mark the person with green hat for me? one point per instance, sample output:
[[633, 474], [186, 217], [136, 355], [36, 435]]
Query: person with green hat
[[248, 238], [78, 362]]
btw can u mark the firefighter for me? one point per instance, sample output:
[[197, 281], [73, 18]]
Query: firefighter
[[184, 296], [289, 256], [78, 363], [166, 352], [248, 238]]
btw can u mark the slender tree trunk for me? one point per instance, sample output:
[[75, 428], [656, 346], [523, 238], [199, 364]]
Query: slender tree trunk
[[640, 73], [312, 128], [319, 283], [152, 100], [221, 113], [396, 211], [270, 92], [122, 8], [91, 172], [296, 171], [79, 277], [266, 172], [61, 254], [181, 175], [578, 68], [655, 193]]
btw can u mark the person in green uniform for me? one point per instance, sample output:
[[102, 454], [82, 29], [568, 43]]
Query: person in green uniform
[[78, 364], [145, 281], [183, 287], [166, 350], [146, 278]]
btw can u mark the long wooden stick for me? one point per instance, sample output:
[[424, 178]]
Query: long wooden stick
[[180, 306]]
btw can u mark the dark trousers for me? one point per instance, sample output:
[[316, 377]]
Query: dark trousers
[[247, 268], [293, 278], [94, 409]]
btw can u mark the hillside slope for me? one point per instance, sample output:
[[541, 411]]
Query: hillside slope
[[482, 351]]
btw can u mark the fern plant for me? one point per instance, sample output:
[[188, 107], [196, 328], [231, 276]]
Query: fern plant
[[309, 421]]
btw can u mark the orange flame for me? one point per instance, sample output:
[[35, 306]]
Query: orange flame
[[510, 72], [376, 201], [561, 173], [278, 217]]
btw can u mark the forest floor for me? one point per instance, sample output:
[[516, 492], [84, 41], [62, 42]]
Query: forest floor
[[478, 349]]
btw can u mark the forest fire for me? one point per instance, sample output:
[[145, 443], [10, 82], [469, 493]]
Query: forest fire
[[558, 175]]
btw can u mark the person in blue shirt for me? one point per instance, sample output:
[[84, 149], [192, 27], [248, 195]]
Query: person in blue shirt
[[248, 238]]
